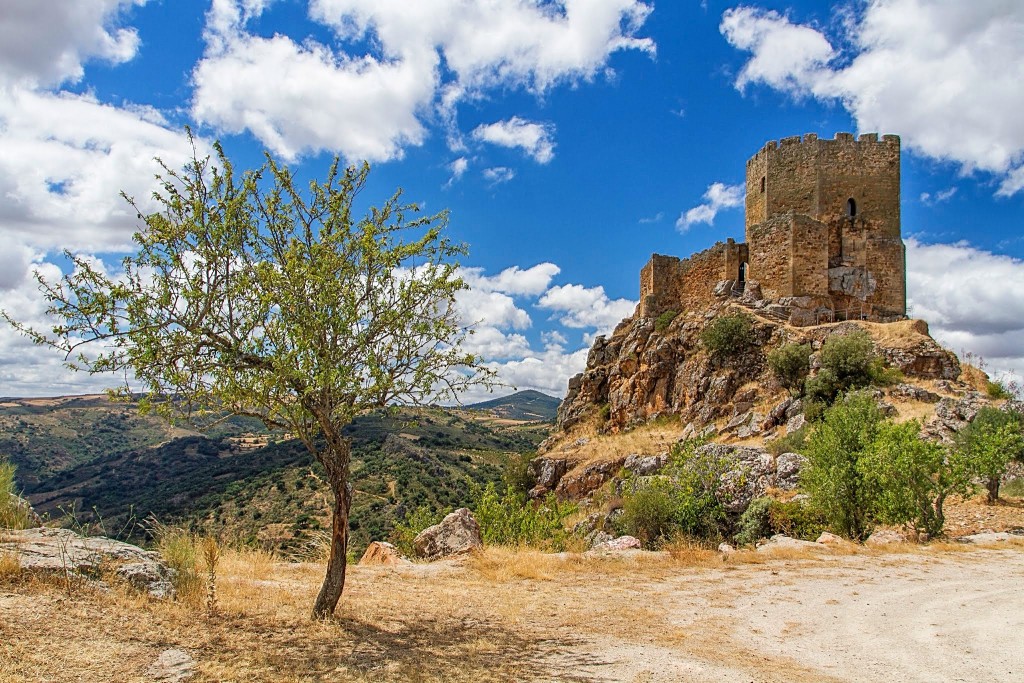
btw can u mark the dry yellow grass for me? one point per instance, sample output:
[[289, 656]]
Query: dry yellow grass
[[500, 615]]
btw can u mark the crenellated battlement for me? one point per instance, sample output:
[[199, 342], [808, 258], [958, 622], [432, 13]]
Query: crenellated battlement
[[888, 141]]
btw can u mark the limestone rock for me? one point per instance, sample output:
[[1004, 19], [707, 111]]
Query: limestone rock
[[596, 538], [913, 393], [726, 549], [382, 553], [827, 538], [59, 550], [783, 542], [885, 537], [986, 537], [787, 470], [457, 533], [587, 479], [172, 666], [644, 465], [618, 545]]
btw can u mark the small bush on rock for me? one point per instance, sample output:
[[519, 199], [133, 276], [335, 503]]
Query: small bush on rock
[[790, 363], [847, 362], [728, 336], [662, 322], [766, 517]]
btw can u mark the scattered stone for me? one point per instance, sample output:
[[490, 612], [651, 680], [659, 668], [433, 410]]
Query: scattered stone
[[618, 544], [828, 538], [914, 393], [885, 537], [47, 550], [796, 422], [643, 465], [990, 537], [171, 666], [596, 538], [726, 549], [382, 553], [457, 533], [723, 288]]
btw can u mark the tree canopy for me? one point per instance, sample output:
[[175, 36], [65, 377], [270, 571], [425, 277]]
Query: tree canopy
[[248, 296]]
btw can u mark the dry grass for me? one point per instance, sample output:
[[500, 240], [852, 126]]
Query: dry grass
[[654, 437], [500, 615]]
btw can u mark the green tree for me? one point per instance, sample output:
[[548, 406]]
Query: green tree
[[791, 363], [914, 477], [989, 442], [835, 476], [848, 361], [248, 296]]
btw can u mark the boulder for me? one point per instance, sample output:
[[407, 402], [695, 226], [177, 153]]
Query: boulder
[[457, 533], [726, 549], [382, 553], [783, 542], [644, 465], [587, 479], [596, 538], [913, 393], [986, 537], [787, 470], [171, 666], [618, 545], [885, 537], [47, 550], [827, 538]]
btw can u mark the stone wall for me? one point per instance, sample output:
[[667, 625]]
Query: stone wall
[[669, 283]]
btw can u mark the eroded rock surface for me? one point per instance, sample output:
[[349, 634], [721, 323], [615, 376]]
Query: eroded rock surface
[[457, 533]]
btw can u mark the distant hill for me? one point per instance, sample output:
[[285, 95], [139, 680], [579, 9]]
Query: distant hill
[[113, 467], [522, 405]]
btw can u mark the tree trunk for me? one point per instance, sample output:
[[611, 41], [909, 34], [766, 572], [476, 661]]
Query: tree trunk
[[334, 581], [993, 489]]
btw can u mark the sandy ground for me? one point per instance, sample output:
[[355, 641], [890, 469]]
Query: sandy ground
[[911, 615]]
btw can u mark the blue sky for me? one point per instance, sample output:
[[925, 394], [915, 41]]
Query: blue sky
[[570, 140]]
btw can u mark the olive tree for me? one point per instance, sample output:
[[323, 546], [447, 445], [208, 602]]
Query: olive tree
[[249, 296]]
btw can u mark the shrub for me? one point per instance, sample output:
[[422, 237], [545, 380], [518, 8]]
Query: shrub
[[516, 475], [914, 477], [790, 363], [847, 362], [684, 501], [662, 322], [834, 476], [728, 336], [997, 390], [992, 439], [765, 517], [511, 520], [793, 442]]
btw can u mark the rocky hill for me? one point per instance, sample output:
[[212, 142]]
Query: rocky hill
[[652, 383]]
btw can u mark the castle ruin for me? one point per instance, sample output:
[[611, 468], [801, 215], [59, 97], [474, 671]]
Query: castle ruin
[[822, 238]]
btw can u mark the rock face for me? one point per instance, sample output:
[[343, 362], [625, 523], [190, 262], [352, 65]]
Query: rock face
[[457, 533], [62, 550], [643, 371]]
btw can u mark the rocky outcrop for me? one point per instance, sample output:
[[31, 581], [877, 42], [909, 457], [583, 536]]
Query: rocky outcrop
[[458, 533], [643, 371], [63, 552], [587, 479]]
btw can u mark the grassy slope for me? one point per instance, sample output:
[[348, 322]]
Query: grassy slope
[[109, 466]]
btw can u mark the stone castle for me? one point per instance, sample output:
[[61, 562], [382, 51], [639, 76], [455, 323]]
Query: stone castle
[[822, 238]]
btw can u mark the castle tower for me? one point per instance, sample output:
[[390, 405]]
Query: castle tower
[[823, 220]]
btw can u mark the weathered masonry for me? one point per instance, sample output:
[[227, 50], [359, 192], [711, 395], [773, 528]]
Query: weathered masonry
[[822, 237]]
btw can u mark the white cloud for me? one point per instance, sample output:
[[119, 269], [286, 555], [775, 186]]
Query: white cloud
[[939, 197], [533, 138], [458, 169], [717, 197], [963, 294], [580, 307], [498, 175], [944, 75], [532, 281], [45, 42], [63, 160], [301, 97], [786, 56]]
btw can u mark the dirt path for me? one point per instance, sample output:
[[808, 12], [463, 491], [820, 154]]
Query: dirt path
[[505, 616]]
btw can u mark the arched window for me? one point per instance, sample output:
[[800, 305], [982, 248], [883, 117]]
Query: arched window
[[851, 207]]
